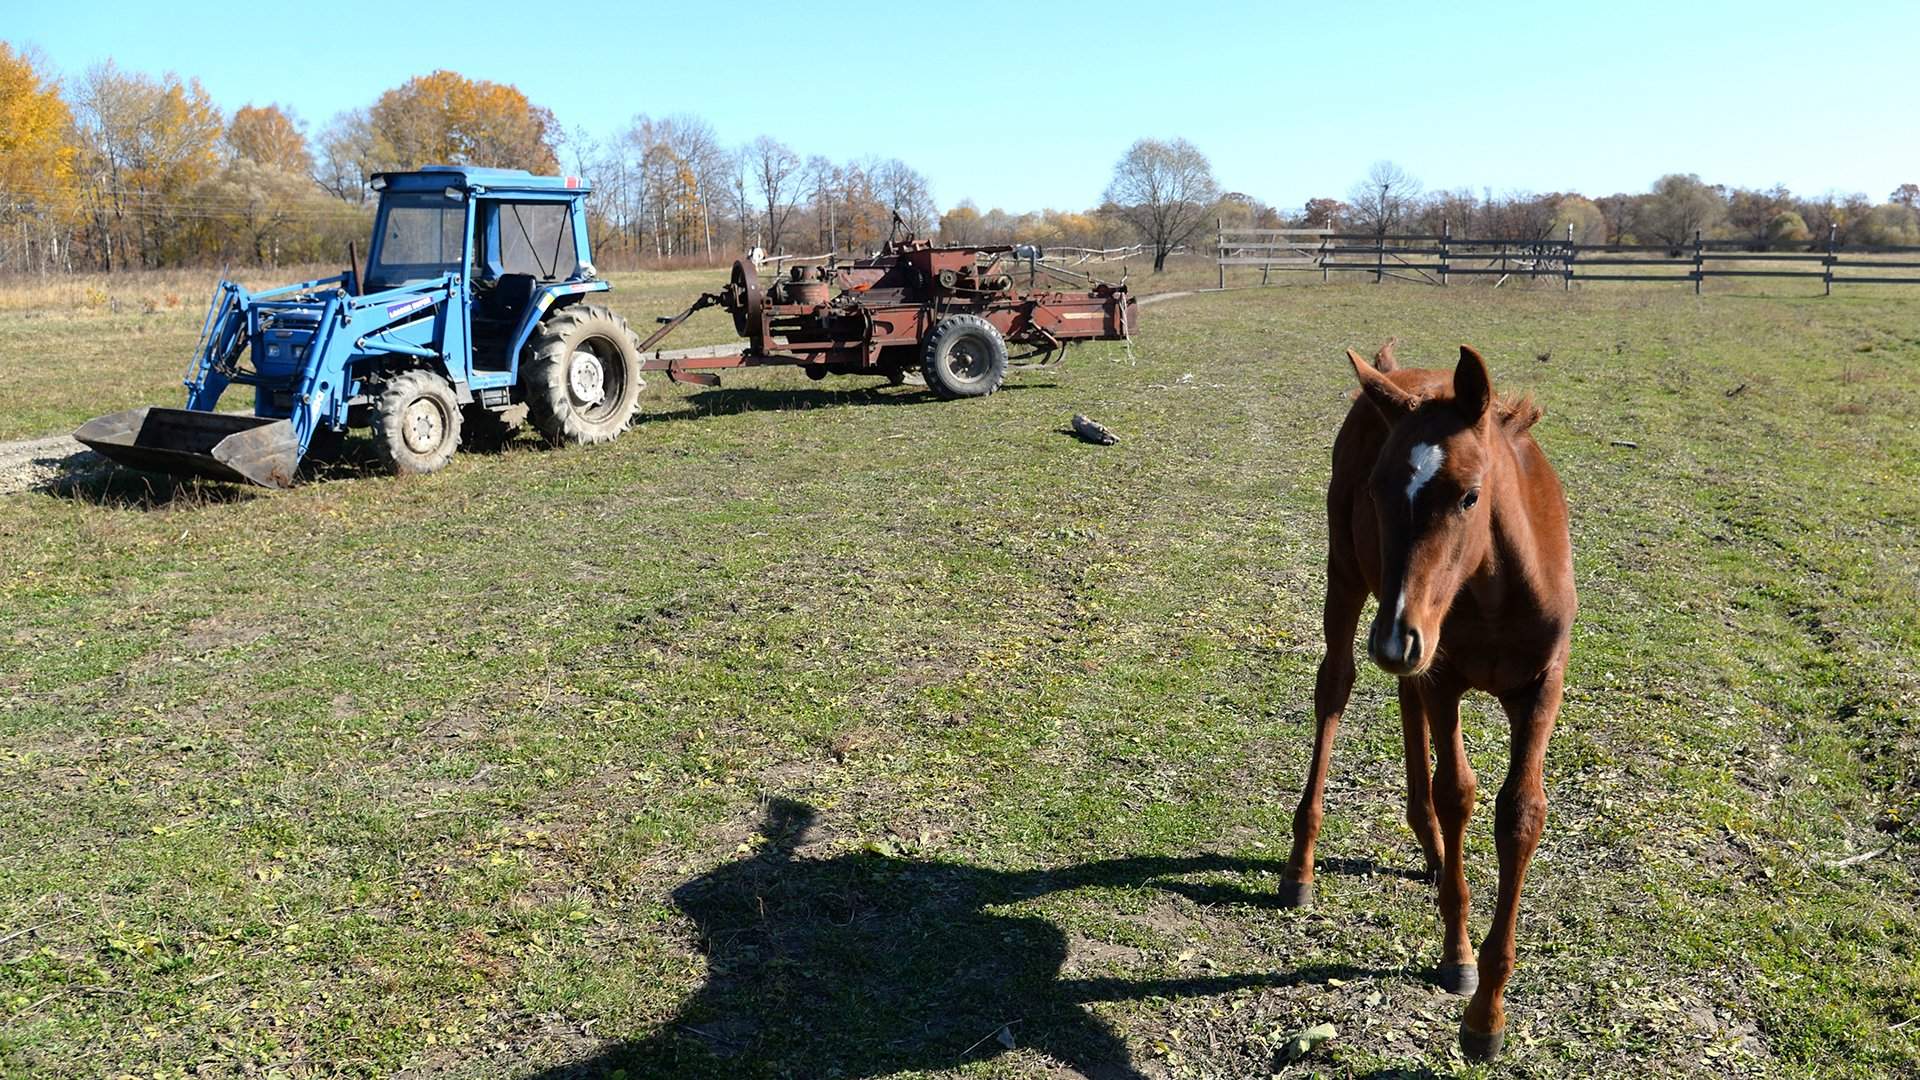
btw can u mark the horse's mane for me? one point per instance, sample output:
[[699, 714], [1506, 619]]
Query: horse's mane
[[1518, 414]]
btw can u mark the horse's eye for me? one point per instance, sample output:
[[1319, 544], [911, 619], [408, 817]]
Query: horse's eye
[[1471, 497]]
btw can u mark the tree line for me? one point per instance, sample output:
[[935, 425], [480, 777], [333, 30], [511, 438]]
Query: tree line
[[120, 170], [1671, 213]]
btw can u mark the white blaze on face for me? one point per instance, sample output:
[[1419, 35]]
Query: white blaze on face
[[1426, 459]]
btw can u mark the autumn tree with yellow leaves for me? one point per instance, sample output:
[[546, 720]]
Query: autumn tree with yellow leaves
[[145, 145], [36, 160], [446, 118]]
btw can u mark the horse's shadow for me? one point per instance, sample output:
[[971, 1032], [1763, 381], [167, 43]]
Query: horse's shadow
[[867, 964]]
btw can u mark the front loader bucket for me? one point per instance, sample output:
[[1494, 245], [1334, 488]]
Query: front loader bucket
[[185, 442]]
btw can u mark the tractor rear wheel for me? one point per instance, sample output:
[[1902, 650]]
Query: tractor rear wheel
[[582, 377], [415, 421], [964, 357]]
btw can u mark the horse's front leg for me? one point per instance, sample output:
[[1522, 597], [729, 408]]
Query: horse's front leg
[[1519, 815], [1452, 796], [1420, 815], [1332, 689]]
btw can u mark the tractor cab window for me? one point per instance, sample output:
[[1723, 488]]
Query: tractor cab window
[[422, 236], [536, 238]]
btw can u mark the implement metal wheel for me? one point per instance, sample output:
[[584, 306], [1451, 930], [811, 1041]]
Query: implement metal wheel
[[744, 298]]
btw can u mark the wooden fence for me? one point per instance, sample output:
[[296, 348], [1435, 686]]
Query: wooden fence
[[1436, 259]]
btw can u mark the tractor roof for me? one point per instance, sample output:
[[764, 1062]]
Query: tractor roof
[[471, 177]]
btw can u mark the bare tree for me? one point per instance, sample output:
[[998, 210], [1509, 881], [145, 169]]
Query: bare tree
[[1385, 199], [740, 190], [908, 195], [1459, 211], [821, 180], [694, 144], [1618, 211], [776, 170], [1520, 215], [349, 151], [1166, 190]]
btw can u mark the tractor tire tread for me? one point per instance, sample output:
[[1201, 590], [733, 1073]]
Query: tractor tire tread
[[388, 413], [543, 375]]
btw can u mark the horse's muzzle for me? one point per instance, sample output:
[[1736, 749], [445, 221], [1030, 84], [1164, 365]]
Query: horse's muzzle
[[1398, 649]]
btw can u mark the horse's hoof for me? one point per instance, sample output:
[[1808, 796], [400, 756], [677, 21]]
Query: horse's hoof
[[1460, 979], [1295, 894], [1478, 1047]]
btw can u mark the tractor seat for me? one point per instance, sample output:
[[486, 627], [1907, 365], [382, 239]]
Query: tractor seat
[[511, 294]]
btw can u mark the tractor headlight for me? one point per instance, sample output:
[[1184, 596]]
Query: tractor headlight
[[455, 194], [378, 183]]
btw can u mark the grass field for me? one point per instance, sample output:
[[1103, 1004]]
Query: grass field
[[826, 730]]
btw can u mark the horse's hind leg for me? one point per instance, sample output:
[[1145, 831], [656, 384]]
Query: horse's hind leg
[[1331, 690], [1420, 816], [1519, 815]]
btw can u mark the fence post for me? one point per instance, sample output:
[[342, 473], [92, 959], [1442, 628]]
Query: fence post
[[1380, 258], [1446, 235], [1220, 250], [1699, 262], [1833, 230], [1566, 262], [1326, 235]]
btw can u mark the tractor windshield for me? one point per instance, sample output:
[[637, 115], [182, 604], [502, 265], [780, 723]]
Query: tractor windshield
[[422, 236]]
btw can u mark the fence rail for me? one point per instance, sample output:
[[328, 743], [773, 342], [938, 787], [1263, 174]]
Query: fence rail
[[1436, 258]]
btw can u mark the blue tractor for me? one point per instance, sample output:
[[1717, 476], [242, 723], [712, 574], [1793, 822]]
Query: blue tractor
[[471, 318]]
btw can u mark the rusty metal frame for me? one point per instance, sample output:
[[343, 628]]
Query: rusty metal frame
[[884, 308]]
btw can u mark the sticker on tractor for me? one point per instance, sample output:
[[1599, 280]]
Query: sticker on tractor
[[408, 307]]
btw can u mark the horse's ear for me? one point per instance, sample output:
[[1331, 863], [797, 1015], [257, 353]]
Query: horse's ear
[[1472, 386], [1392, 401], [1383, 360]]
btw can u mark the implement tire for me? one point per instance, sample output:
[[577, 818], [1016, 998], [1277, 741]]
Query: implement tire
[[581, 378], [416, 422], [964, 357]]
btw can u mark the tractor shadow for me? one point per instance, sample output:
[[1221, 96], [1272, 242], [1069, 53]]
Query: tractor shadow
[[92, 480], [867, 964], [86, 477]]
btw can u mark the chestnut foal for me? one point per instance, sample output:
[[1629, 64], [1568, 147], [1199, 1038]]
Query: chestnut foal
[[1442, 506]]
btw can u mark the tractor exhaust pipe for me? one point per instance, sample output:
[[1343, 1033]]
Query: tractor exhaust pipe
[[184, 442]]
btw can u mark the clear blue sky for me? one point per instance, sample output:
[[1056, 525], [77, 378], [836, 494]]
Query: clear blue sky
[[1025, 105]]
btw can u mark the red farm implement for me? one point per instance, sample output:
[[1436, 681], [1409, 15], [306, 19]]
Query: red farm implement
[[950, 312]]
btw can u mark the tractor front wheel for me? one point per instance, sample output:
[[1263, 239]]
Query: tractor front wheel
[[416, 422], [964, 357], [582, 376]]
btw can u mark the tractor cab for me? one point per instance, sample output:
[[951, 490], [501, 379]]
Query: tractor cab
[[502, 234]]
